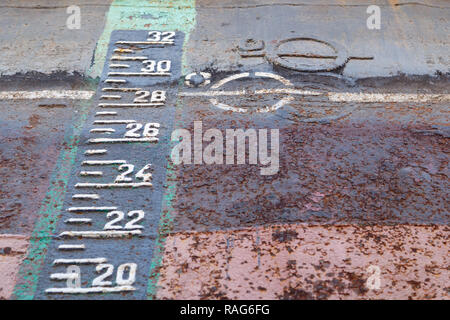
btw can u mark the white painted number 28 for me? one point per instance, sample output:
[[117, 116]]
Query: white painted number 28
[[155, 96]]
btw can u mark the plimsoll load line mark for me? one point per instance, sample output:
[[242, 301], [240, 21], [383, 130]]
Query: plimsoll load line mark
[[214, 93], [332, 96]]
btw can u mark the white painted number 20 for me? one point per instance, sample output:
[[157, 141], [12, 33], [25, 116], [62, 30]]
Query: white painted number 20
[[126, 275]]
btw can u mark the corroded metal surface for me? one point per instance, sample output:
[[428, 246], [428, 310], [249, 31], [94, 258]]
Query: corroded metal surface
[[304, 262]]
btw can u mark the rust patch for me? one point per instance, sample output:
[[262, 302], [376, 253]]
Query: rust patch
[[321, 262]]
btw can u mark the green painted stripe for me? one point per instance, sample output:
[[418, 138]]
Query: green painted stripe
[[162, 15], [50, 208]]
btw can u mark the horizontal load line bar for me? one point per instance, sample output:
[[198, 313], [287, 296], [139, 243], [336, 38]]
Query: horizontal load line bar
[[214, 93]]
